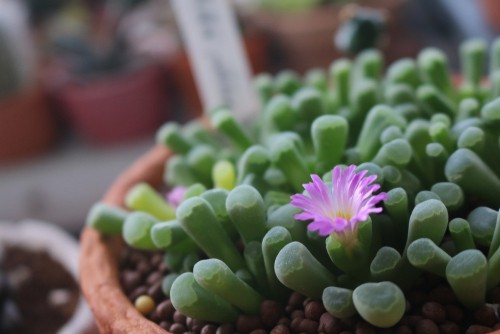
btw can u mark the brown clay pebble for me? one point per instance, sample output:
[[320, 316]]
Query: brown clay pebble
[[306, 301], [130, 280], [280, 329], [434, 311], [297, 314], [143, 268], [364, 328], [258, 331], [478, 329], [328, 324], [426, 326], [454, 313], [177, 328], [404, 329], [179, 317], [296, 299], [308, 326], [485, 316], [443, 294], [197, 325], [156, 259], [225, 329], [417, 298], [154, 277], [449, 327], [294, 325], [270, 312], [139, 291], [165, 310], [411, 320], [156, 292], [284, 321], [313, 310], [208, 329], [163, 268], [165, 324], [246, 323]]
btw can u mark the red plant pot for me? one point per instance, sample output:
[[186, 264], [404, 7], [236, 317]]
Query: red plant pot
[[27, 126], [117, 108]]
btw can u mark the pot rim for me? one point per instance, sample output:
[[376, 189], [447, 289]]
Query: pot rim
[[99, 276]]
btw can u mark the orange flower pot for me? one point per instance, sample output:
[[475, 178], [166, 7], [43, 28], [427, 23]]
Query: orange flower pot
[[117, 108], [27, 125], [99, 276]]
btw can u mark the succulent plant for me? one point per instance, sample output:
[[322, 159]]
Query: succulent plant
[[347, 188]]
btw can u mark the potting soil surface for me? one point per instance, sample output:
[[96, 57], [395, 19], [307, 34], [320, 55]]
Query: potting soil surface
[[432, 308]]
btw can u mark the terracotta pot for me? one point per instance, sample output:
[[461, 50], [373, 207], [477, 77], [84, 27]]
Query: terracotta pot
[[99, 278], [113, 312], [27, 125], [119, 107], [491, 11], [256, 47]]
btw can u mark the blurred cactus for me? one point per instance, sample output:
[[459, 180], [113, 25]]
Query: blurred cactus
[[17, 66], [405, 181]]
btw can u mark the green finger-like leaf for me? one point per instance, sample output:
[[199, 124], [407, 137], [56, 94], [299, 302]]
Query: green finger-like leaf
[[192, 300], [483, 221], [338, 302], [329, 135], [378, 118], [426, 255], [215, 276], [200, 223], [384, 264], [381, 304], [467, 273], [461, 234], [142, 197], [466, 169], [450, 194], [297, 269], [137, 230], [105, 218], [246, 209], [428, 219], [172, 136]]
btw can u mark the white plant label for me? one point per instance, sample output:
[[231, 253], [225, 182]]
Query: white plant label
[[211, 36]]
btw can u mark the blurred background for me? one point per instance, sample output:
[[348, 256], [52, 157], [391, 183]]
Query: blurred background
[[84, 84]]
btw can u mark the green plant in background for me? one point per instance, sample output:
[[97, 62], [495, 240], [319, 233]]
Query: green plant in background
[[431, 146], [98, 45]]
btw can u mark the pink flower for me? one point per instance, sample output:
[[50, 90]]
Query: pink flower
[[338, 209], [176, 196]]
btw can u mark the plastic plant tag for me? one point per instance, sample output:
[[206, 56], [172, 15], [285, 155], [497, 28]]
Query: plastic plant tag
[[217, 57]]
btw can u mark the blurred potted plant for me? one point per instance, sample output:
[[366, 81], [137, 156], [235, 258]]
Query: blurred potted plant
[[27, 126], [39, 281], [302, 31], [398, 231], [103, 80]]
